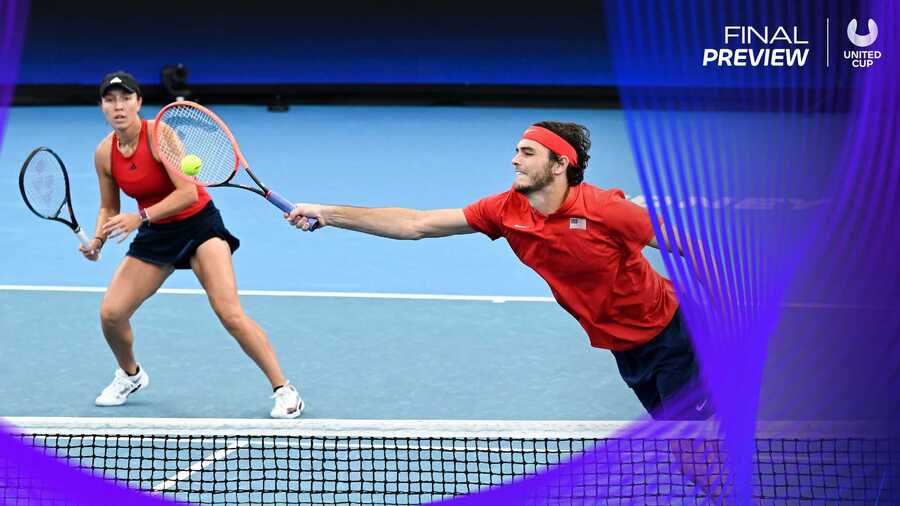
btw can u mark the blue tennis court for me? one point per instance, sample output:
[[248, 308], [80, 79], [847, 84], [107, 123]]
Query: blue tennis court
[[357, 356], [373, 331]]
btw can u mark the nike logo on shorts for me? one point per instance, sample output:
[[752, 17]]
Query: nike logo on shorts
[[700, 405]]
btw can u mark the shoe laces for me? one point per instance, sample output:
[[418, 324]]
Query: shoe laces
[[121, 383], [286, 396]]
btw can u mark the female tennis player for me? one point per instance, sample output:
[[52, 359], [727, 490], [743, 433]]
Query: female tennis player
[[178, 227]]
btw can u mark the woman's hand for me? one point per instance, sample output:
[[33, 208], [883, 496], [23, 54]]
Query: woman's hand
[[92, 253], [121, 225]]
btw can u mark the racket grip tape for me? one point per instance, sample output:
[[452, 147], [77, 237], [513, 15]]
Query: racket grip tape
[[286, 206], [279, 201], [83, 237]]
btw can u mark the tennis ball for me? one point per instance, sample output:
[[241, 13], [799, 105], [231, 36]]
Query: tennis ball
[[191, 164]]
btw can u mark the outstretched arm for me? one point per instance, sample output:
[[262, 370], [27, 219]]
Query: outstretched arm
[[390, 222]]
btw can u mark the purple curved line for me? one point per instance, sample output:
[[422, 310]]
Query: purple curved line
[[38, 478], [35, 477]]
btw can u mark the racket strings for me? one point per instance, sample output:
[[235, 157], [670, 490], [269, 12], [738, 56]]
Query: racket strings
[[196, 133], [45, 185]]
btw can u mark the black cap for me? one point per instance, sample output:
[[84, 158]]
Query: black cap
[[122, 79]]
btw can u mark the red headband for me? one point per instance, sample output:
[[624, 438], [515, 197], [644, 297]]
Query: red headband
[[551, 141]]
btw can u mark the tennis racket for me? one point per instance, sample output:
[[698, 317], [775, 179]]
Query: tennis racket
[[44, 184], [186, 128]]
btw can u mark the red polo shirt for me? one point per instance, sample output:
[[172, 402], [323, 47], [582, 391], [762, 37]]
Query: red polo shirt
[[589, 252]]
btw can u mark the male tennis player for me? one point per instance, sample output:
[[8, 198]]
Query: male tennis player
[[586, 243]]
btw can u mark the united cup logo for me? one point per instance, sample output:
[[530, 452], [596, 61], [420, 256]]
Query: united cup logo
[[862, 58], [862, 40]]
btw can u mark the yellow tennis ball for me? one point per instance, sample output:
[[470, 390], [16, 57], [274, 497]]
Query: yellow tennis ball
[[191, 164]]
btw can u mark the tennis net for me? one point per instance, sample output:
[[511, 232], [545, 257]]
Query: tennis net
[[208, 461]]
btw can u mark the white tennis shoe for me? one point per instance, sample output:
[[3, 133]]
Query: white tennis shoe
[[122, 386], [288, 403]]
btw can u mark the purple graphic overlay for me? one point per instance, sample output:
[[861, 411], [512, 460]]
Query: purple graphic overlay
[[770, 138], [851, 359], [781, 183], [776, 187], [13, 14], [731, 139], [26, 475], [30, 477]]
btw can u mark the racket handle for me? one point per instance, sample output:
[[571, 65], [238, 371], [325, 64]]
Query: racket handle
[[286, 206], [83, 237], [279, 201]]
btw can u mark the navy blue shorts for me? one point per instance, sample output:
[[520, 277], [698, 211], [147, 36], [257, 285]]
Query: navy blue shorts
[[664, 375], [176, 242]]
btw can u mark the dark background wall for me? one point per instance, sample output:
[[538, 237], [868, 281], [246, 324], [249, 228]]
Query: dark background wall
[[462, 42], [440, 51]]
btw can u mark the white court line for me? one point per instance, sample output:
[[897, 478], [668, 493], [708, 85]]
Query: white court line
[[171, 481], [290, 293], [374, 295]]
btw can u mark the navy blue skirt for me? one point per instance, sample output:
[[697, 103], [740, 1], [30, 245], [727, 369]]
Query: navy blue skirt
[[176, 242]]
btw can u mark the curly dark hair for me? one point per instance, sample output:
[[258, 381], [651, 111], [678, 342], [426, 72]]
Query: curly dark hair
[[580, 139]]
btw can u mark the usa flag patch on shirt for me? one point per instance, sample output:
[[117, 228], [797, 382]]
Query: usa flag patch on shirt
[[577, 224]]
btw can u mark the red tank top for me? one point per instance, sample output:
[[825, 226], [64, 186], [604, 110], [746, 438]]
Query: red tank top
[[146, 180]]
